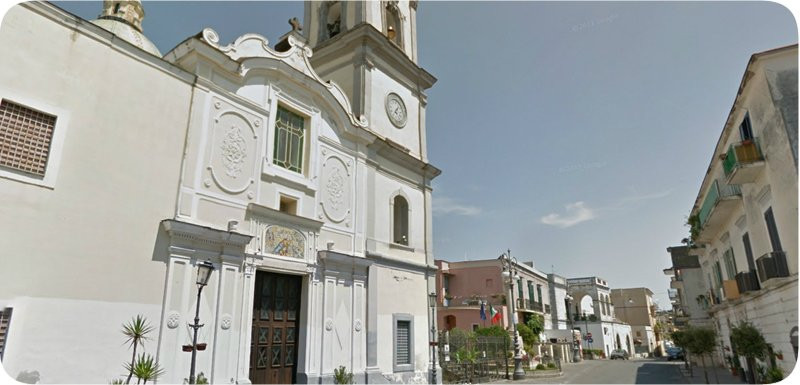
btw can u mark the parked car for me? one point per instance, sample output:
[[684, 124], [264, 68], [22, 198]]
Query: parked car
[[618, 354], [675, 353]]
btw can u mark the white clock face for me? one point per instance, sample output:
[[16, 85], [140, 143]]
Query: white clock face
[[396, 110]]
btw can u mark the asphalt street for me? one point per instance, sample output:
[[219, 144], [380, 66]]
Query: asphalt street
[[634, 371]]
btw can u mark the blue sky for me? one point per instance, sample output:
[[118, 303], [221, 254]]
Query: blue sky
[[574, 134]]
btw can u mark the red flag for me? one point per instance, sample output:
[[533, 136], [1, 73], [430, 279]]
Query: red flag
[[495, 314]]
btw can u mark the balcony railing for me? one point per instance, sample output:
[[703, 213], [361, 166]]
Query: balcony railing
[[547, 308], [730, 289], [772, 265], [740, 159], [716, 193], [747, 281]]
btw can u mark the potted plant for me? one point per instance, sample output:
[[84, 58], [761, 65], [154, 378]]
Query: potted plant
[[201, 346], [186, 348]]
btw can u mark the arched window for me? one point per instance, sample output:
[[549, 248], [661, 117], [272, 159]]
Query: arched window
[[400, 220], [393, 23], [333, 19]]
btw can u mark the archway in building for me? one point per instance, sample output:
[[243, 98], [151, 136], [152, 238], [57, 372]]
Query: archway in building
[[628, 343], [793, 340], [450, 322], [619, 345]]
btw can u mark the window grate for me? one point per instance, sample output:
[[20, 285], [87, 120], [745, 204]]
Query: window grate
[[5, 319], [403, 343], [289, 138], [25, 137]]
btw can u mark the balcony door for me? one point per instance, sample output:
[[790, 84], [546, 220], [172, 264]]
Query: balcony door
[[276, 320]]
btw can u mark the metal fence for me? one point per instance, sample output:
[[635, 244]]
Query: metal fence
[[465, 358]]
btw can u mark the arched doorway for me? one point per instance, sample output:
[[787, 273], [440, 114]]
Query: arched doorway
[[619, 345], [628, 343]]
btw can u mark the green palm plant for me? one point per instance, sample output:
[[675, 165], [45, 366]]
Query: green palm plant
[[136, 331], [145, 368]]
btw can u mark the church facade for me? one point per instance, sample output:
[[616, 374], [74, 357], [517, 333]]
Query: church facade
[[299, 170]]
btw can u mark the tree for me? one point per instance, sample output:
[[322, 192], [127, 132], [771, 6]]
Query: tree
[[536, 324], [528, 337], [701, 341], [145, 368], [748, 342], [136, 332]]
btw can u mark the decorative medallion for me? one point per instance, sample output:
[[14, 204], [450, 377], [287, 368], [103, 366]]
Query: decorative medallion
[[357, 325], [225, 322], [173, 319], [396, 110], [328, 324], [234, 151], [336, 187], [284, 241]]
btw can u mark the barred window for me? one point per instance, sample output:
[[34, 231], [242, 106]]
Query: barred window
[[403, 343], [5, 319], [25, 137], [289, 137]]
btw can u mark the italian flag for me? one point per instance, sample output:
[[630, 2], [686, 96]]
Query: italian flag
[[494, 314]]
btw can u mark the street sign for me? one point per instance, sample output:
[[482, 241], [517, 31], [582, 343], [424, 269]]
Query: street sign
[[590, 340], [589, 335]]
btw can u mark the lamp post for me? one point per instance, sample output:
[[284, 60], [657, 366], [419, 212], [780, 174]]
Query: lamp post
[[432, 303], [204, 270], [576, 350], [509, 264]]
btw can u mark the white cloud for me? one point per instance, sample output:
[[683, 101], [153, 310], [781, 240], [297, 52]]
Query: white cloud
[[575, 213], [443, 205]]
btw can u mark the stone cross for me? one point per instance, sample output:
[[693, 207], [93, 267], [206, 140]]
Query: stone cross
[[295, 24]]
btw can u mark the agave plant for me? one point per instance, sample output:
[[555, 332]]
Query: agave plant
[[145, 368], [136, 332]]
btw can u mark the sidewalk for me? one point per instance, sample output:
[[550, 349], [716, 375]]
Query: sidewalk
[[724, 375]]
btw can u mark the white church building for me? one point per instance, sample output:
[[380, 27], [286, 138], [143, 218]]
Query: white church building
[[298, 169]]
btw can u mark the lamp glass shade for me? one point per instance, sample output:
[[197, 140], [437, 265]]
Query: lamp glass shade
[[432, 299], [204, 270]]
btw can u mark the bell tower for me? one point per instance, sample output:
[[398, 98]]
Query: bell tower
[[325, 20], [369, 48]]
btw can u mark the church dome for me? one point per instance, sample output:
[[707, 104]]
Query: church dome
[[124, 19]]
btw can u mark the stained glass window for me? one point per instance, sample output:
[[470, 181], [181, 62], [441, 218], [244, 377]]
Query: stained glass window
[[289, 136]]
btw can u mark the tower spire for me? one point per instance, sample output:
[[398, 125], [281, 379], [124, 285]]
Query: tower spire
[[129, 12]]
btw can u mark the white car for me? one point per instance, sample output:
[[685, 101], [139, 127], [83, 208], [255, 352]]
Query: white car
[[618, 354]]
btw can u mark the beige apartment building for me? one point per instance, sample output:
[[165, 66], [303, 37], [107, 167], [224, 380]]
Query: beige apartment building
[[744, 219], [635, 306]]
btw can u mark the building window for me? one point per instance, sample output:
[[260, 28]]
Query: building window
[[475, 327], [638, 333], [530, 291], [287, 205], [289, 139], [403, 342], [400, 218], [25, 137], [5, 320], [772, 229], [745, 129], [717, 275], [489, 283], [730, 263]]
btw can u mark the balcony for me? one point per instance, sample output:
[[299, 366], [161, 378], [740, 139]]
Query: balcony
[[536, 306], [743, 162], [547, 309], [747, 281], [772, 265], [730, 289], [721, 200]]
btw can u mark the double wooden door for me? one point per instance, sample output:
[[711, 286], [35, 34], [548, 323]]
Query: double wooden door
[[276, 318]]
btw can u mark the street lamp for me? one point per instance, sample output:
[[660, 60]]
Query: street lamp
[[204, 270], [432, 304], [509, 264], [576, 350]]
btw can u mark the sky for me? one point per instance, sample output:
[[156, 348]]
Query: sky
[[574, 134]]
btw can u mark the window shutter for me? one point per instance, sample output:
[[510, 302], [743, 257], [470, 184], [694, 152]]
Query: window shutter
[[403, 343]]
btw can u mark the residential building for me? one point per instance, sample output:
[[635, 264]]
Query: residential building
[[593, 313], [635, 307], [463, 286], [744, 219], [303, 180], [688, 299], [557, 286]]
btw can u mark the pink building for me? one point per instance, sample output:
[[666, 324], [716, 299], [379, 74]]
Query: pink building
[[462, 286]]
